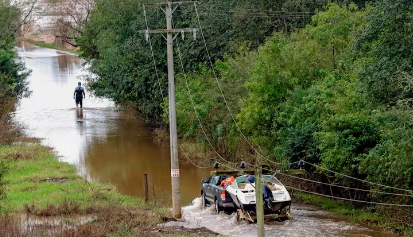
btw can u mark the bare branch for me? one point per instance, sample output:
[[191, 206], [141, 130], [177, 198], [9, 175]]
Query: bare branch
[[24, 19], [80, 45]]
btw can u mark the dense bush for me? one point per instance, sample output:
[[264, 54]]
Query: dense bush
[[304, 96], [120, 58], [335, 91]]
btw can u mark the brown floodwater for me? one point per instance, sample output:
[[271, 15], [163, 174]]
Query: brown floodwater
[[105, 145], [111, 147]]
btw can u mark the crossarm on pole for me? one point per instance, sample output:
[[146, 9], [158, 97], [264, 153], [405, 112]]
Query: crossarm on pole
[[169, 3], [163, 31]]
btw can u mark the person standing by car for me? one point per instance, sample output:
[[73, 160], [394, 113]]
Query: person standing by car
[[79, 95]]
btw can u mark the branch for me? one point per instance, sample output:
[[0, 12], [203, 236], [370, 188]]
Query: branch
[[24, 20], [81, 45], [72, 27]]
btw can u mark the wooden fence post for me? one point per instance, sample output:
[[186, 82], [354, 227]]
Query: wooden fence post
[[145, 176]]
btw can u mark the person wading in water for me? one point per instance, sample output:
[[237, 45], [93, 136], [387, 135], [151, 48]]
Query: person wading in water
[[79, 95]]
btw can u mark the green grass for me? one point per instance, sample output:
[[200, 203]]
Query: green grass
[[30, 169], [357, 215], [52, 46]]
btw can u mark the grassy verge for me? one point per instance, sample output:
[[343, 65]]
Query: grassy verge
[[36, 177], [53, 46], [382, 217], [50, 46], [61, 203]]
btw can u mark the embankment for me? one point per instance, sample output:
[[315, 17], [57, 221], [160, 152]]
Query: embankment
[[56, 201]]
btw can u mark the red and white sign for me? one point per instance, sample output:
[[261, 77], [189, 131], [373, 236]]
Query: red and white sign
[[174, 172]]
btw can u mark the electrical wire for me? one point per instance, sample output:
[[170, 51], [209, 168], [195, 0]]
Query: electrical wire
[[220, 89], [153, 55], [351, 200], [346, 199], [202, 128], [193, 106], [369, 182], [236, 124], [193, 163], [334, 185], [339, 186], [341, 198]]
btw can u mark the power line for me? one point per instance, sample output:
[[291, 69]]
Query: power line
[[351, 200], [153, 55], [226, 103], [200, 167], [341, 198], [193, 106], [339, 186], [382, 185], [220, 89], [334, 185]]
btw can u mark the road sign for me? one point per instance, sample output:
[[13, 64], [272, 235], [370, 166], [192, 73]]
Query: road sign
[[174, 173]]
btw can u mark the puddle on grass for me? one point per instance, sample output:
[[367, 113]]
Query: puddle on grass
[[51, 225]]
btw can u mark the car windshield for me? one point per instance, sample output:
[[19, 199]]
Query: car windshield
[[271, 179], [241, 179], [265, 178]]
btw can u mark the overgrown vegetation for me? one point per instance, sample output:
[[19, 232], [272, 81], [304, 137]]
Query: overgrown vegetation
[[334, 90], [120, 57]]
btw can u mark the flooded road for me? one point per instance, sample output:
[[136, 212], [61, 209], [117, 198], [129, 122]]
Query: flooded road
[[307, 221], [111, 147], [106, 146]]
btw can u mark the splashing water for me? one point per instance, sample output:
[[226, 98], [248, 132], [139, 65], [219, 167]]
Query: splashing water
[[307, 221]]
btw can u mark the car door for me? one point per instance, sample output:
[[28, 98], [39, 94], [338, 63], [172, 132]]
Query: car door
[[207, 187], [212, 187]]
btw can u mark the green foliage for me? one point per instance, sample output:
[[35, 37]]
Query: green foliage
[[391, 160], [12, 74], [335, 90], [293, 81], [386, 45], [120, 59]]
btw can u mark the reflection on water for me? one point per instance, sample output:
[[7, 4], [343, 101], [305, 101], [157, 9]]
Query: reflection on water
[[104, 145]]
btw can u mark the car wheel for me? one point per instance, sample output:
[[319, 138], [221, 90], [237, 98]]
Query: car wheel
[[218, 208], [203, 200]]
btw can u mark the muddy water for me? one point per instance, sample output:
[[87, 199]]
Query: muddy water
[[105, 145], [110, 147], [307, 221]]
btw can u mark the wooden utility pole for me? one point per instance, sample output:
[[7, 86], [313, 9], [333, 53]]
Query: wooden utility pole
[[258, 197], [176, 191]]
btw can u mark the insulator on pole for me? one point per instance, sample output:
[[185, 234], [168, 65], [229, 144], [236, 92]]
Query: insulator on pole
[[183, 34], [301, 164], [194, 33], [242, 166], [147, 35]]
